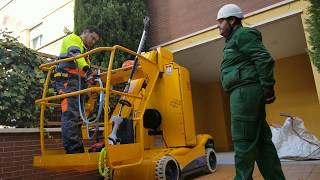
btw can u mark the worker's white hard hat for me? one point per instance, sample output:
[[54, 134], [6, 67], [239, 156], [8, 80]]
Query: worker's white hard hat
[[229, 10]]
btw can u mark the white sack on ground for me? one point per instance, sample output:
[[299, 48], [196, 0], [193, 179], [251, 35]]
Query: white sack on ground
[[294, 142]]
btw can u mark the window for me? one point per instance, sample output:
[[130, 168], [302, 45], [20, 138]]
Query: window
[[36, 42]]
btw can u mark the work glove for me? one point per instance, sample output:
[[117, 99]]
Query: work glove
[[90, 76], [60, 91], [269, 96]]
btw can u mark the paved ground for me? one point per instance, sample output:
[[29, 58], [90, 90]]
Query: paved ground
[[293, 170]]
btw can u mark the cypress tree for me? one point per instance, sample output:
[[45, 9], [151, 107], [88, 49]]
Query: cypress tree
[[120, 21]]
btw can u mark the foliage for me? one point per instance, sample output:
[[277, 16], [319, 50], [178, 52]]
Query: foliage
[[20, 83], [120, 21], [314, 30]]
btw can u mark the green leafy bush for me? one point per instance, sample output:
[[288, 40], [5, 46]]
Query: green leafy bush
[[21, 82]]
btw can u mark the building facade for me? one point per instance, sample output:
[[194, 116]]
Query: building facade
[[40, 26], [188, 28]]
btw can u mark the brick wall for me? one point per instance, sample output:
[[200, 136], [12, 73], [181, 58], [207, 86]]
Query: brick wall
[[174, 19], [16, 157]]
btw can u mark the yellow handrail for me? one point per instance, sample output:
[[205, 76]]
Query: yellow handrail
[[42, 109], [42, 66], [92, 89], [100, 49], [106, 104], [125, 94]]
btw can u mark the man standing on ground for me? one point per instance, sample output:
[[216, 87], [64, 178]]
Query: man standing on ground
[[247, 75], [67, 81]]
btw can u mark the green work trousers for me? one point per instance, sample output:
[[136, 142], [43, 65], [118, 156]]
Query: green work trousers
[[251, 135]]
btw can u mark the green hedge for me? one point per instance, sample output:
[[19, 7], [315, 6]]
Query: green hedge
[[21, 82], [314, 30]]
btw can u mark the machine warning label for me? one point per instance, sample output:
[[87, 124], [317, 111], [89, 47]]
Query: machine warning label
[[168, 69]]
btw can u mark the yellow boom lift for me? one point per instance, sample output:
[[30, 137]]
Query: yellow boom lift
[[156, 108]]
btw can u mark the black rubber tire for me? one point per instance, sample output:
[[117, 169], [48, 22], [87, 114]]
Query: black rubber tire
[[167, 168], [211, 160]]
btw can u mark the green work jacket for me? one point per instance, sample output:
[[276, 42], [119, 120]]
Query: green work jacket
[[246, 61]]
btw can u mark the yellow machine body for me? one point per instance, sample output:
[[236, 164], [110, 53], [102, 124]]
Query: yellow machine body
[[159, 84]]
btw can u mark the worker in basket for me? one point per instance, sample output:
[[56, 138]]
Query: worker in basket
[[67, 81]]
